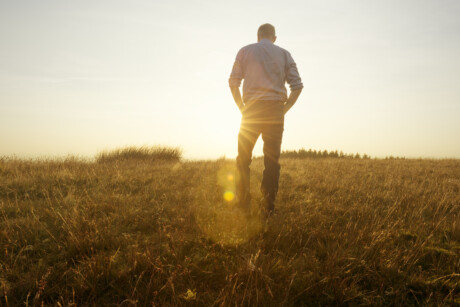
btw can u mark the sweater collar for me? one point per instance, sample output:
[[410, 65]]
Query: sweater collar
[[265, 41]]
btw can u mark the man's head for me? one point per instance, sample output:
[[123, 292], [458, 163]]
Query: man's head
[[266, 31]]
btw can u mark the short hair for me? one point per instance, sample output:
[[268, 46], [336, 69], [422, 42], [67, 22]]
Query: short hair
[[266, 31]]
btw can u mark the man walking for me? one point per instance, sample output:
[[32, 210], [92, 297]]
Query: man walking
[[265, 69]]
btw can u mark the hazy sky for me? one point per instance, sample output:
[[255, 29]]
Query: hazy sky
[[380, 77]]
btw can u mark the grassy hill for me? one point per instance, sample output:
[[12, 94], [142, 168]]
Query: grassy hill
[[145, 228]]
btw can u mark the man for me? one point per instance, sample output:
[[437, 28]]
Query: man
[[265, 69]]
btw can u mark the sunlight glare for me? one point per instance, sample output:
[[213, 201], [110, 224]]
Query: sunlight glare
[[229, 196], [217, 216]]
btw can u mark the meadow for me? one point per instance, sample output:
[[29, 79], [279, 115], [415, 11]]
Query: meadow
[[143, 227]]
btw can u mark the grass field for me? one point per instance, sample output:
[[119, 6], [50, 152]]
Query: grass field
[[143, 227]]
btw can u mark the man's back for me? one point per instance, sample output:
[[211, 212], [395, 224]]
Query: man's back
[[265, 69]]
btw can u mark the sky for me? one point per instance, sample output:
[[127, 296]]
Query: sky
[[80, 77]]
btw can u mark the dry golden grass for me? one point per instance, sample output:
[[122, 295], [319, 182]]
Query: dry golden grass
[[139, 153], [146, 231]]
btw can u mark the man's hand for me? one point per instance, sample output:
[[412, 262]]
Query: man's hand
[[237, 97], [291, 100]]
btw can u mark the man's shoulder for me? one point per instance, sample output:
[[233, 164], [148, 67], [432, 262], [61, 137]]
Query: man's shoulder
[[254, 47], [249, 46], [282, 49]]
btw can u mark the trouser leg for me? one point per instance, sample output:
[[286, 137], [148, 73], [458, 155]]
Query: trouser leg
[[247, 138], [272, 136]]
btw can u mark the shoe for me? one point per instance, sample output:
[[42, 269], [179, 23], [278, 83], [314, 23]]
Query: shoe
[[265, 215], [265, 219], [267, 206], [244, 205]]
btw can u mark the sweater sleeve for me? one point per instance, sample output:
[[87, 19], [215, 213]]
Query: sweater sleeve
[[237, 71], [292, 74]]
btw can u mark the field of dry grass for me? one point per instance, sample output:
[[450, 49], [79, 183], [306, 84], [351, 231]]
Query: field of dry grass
[[129, 229]]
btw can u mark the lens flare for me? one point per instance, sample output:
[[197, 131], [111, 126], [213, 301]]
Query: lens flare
[[229, 195], [217, 214], [226, 179]]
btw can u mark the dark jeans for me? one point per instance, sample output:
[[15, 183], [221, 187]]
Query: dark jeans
[[266, 118]]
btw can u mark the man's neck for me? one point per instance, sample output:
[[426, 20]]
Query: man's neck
[[265, 40]]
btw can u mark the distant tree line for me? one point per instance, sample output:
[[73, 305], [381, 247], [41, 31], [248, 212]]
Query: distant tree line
[[303, 153]]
